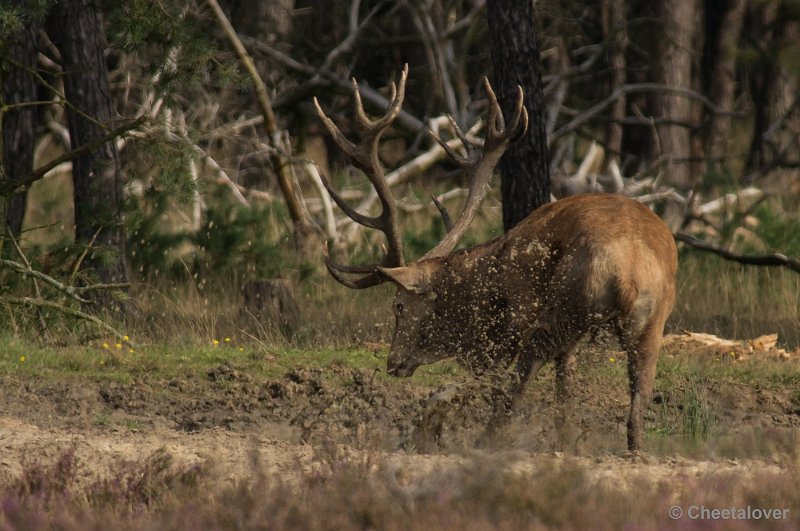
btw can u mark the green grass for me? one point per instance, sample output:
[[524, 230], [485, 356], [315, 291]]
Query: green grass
[[19, 357], [735, 301], [766, 373]]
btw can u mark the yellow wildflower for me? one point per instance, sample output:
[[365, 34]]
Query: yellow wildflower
[[22, 359]]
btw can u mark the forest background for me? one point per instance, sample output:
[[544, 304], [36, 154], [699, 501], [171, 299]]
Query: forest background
[[148, 189]]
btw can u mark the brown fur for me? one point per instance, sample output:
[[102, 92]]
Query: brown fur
[[531, 295]]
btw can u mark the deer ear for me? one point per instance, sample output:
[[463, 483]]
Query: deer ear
[[415, 278]]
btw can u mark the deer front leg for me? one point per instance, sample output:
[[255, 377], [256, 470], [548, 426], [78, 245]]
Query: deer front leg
[[505, 398], [566, 365]]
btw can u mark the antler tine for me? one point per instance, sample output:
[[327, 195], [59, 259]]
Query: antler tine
[[496, 122], [464, 162], [496, 128], [376, 127], [361, 219], [448, 223], [371, 278], [364, 155], [480, 166], [350, 149]]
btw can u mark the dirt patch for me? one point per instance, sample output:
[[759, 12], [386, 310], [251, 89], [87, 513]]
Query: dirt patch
[[227, 417]]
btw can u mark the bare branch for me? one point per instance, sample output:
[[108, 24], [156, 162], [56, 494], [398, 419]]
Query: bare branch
[[8, 188], [286, 178], [330, 222], [770, 260], [597, 108]]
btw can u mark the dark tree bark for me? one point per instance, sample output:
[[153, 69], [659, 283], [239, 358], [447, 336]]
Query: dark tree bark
[[721, 84], [19, 125], [680, 21], [615, 32], [524, 169], [77, 31], [774, 88]]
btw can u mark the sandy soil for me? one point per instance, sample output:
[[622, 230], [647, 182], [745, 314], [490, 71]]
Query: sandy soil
[[235, 423]]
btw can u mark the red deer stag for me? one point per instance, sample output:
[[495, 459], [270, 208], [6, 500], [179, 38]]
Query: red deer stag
[[529, 296]]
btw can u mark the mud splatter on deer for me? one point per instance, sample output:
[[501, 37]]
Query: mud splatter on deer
[[530, 296]]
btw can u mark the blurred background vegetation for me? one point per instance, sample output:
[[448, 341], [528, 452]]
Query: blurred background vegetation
[[690, 105]]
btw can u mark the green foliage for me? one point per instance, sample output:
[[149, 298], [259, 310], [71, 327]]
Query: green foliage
[[233, 236], [779, 230], [418, 242], [10, 19], [168, 37], [14, 17], [172, 175], [230, 241]]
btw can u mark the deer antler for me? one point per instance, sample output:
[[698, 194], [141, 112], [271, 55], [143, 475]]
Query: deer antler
[[479, 163], [365, 157]]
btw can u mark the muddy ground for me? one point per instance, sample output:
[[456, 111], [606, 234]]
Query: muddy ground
[[226, 418]]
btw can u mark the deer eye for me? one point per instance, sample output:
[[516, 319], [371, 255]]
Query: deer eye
[[398, 308]]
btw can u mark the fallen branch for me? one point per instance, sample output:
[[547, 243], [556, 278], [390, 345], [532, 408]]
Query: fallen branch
[[47, 279], [39, 301]]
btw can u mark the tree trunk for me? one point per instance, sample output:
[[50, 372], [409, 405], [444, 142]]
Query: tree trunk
[[524, 169], [680, 20], [616, 34], [76, 29], [19, 125], [774, 90], [722, 83]]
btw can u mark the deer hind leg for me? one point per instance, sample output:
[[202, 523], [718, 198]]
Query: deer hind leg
[[641, 337]]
